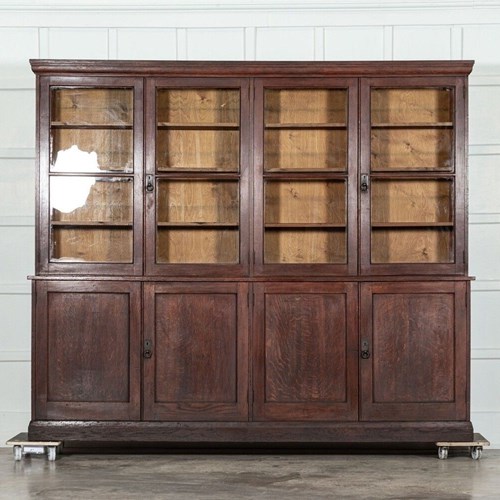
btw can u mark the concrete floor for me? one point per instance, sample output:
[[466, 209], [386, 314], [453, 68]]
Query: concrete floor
[[233, 477]]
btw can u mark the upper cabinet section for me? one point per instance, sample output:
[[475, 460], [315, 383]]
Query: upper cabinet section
[[227, 170], [90, 173]]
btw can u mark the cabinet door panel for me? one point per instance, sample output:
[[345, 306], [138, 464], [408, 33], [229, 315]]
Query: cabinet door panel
[[305, 352], [198, 370], [416, 333], [87, 341]]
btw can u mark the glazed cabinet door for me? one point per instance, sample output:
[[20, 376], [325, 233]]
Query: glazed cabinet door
[[197, 364], [90, 141], [412, 179], [87, 350], [414, 341], [197, 187], [305, 161], [305, 352]]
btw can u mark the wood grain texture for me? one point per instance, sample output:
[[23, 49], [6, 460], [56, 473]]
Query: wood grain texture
[[412, 246], [92, 106], [305, 358], [199, 366], [412, 149], [417, 200], [411, 105], [198, 201], [417, 336], [313, 106], [87, 350]]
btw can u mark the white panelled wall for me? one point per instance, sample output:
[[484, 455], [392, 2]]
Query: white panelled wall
[[245, 30]]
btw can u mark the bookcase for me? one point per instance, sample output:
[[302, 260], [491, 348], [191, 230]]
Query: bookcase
[[251, 254]]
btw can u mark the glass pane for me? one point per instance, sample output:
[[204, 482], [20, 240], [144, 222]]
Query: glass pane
[[308, 202], [198, 222], [305, 149], [198, 202], [305, 106], [91, 130], [305, 129], [86, 244], [412, 129], [309, 246], [203, 149], [412, 201], [411, 106], [91, 199], [198, 129], [412, 221], [197, 246], [412, 245], [91, 219], [305, 222]]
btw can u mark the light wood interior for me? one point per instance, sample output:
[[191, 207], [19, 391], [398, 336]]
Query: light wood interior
[[202, 105], [198, 201], [400, 201], [108, 200], [309, 246], [308, 106], [114, 149], [203, 149], [308, 149], [197, 246], [411, 149], [97, 106], [412, 245], [406, 106], [80, 244], [305, 202]]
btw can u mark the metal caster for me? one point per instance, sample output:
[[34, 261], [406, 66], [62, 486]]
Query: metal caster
[[443, 452], [18, 453], [476, 452], [51, 453]]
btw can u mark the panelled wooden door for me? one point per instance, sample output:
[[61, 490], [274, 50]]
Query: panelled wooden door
[[305, 352], [87, 344], [412, 176], [305, 176], [198, 369], [415, 335]]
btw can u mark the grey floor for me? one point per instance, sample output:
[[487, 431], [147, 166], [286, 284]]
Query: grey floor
[[250, 476]]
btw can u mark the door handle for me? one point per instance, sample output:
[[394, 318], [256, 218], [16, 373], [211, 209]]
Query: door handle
[[365, 349], [150, 183], [365, 179]]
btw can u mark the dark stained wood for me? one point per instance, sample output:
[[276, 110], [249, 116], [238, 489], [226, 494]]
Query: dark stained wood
[[304, 352], [198, 370], [252, 68], [252, 433], [87, 350], [417, 337]]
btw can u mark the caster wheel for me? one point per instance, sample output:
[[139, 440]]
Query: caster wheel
[[443, 453], [51, 453], [476, 452], [18, 453]]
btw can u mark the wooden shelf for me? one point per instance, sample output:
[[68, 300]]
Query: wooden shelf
[[409, 225], [92, 126], [198, 224], [305, 125], [91, 224], [413, 125], [304, 171], [197, 126], [303, 225]]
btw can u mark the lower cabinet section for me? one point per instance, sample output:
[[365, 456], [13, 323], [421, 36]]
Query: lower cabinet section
[[241, 362]]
